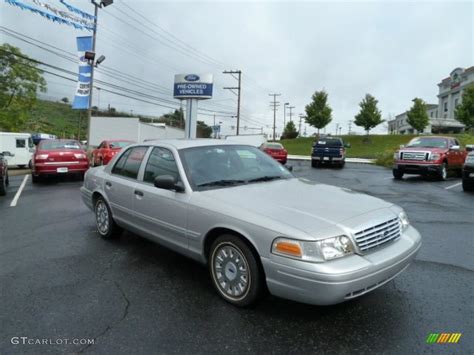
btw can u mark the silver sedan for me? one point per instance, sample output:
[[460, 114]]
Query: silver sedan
[[255, 225]]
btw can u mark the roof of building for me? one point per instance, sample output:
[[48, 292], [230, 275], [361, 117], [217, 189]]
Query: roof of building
[[466, 71]]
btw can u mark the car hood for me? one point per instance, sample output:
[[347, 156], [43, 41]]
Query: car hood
[[423, 149], [303, 204]]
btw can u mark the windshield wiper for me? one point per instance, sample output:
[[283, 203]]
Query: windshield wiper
[[222, 183], [265, 178]]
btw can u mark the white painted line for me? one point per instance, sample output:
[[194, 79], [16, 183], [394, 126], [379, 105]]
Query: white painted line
[[450, 187], [18, 193]]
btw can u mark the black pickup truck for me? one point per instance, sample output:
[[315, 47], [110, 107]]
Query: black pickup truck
[[330, 150]]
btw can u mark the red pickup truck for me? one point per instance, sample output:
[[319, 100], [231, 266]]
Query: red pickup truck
[[431, 155]]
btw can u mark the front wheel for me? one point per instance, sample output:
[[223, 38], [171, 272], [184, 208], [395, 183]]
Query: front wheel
[[235, 271], [105, 224], [443, 172], [397, 174], [467, 186]]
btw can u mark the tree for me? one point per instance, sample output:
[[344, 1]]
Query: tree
[[417, 115], [464, 113], [369, 116], [20, 80], [318, 112], [65, 100], [203, 130], [290, 131]]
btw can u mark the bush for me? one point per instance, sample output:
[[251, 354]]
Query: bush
[[386, 158]]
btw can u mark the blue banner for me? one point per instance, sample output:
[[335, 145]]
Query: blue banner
[[83, 90], [192, 90]]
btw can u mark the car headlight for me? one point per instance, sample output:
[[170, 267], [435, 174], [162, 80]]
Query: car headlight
[[435, 156], [404, 222], [314, 251]]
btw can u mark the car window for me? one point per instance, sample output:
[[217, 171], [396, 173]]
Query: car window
[[129, 165], [329, 143], [102, 145], [59, 145], [160, 162], [21, 143]]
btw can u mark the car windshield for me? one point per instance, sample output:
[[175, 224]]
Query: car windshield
[[273, 146], [329, 143], [428, 143], [119, 144], [228, 165], [58, 145]]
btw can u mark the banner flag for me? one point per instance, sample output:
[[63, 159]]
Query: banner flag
[[83, 90]]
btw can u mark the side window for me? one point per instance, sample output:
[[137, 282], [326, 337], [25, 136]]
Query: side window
[[101, 145], [21, 143], [160, 162], [129, 163]]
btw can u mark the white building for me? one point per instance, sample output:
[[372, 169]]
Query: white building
[[441, 115]]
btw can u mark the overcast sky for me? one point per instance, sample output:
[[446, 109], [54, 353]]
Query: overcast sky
[[393, 50]]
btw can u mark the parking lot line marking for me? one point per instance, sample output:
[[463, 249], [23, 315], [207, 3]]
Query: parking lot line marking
[[450, 187], [18, 193]]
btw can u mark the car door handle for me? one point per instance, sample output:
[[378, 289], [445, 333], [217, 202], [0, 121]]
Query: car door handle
[[108, 184], [138, 193]]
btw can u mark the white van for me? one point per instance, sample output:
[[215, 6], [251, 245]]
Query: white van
[[20, 146]]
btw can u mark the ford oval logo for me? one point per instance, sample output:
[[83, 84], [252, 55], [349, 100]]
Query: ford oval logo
[[191, 77]]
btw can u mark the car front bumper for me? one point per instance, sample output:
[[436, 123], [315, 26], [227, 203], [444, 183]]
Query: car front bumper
[[417, 168], [341, 279]]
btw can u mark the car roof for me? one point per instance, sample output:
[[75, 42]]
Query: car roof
[[191, 143]]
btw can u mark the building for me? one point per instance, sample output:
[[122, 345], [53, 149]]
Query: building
[[441, 115], [131, 128]]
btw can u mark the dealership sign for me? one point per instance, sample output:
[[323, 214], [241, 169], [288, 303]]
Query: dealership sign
[[193, 86]]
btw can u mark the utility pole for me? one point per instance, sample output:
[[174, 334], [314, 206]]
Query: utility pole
[[284, 114], [337, 128], [301, 120], [291, 108], [275, 104], [350, 126], [238, 88]]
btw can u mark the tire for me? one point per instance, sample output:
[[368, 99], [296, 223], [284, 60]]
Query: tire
[[105, 224], [238, 273], [314, 163], [397, 174], [35, 178], [3, 185], [443, 172], [30, 164], [466, 184]]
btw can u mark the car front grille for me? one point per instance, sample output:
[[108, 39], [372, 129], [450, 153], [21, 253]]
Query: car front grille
[[377, 235], [414, 156]]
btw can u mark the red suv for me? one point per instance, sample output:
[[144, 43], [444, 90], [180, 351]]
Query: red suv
[[107, 150], [276, 151], [59, 157]]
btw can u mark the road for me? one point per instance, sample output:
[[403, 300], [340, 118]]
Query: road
[[59, 280]]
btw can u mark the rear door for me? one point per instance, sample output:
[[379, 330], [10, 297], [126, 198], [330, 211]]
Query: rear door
[[162, 214], [121, 182]]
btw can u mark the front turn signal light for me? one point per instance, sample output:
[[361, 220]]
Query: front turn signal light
[[287, 247]]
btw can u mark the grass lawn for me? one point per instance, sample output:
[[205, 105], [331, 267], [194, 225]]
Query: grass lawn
[[380, 146]]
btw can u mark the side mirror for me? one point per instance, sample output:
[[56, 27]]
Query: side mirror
[[8, 154], [402, 146], [167, 182], [347, 145], [455, 147], [469, 147]]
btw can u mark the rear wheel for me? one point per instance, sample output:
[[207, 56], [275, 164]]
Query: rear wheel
[[235, 271], [3, 185], [397, 174], [105, 224], [443, 172], [35, 178], [314, 163]]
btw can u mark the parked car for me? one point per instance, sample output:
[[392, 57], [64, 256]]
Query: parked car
[[468, 173], [59, 157], [253, 223], [276, 151], [4, 181], [106, 151], [21, 147], [430, 155], [329, 150]]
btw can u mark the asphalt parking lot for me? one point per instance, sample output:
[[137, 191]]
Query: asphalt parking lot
[[59, 280]]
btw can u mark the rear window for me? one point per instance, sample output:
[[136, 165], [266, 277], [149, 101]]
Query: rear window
[[58, 145], [119, 144], [274, 145], [329, 142]]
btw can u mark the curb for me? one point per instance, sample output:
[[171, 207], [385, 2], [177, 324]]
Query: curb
[[348, 160]]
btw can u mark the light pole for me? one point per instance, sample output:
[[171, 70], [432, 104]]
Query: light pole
[[284, 114], [291, 108], [102, 3]]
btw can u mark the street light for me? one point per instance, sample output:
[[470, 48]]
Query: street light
[[284, 114]]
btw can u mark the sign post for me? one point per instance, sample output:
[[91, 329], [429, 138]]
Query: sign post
[[192, 88]]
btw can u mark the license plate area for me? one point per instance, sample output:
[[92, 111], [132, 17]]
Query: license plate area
[[62, 170], [326, 158]]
